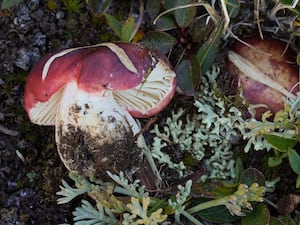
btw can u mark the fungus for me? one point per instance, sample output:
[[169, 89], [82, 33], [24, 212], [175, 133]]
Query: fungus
[[265, 72], [91, 94]]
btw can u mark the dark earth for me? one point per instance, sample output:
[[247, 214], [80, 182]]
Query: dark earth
[[30, 168]]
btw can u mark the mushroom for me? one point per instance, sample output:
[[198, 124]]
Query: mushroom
[[91, 95], [265, 72]]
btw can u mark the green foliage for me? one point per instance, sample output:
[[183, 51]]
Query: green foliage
[[188, 75], [233, 7], [176, 25], [281, 134], [235, 202], [184, 16], [73, 6], [209, 50], [112, 203], [125, 31], [97, 7], [281, 144], [159, 40], [108, 206], [260, 216]]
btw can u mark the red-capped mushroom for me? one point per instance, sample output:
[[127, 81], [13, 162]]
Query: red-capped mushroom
[[90, 94], [265, 72]]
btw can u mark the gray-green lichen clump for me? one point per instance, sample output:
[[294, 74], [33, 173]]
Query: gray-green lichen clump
[[207, 135]]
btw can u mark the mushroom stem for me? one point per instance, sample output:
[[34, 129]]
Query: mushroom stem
[[92, 129]]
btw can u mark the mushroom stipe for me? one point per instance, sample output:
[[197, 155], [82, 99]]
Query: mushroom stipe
[[91, 95], [83, 153]]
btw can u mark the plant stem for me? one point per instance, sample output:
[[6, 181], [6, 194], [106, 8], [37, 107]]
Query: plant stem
[[208, 204], [191, 218], [152, 164]]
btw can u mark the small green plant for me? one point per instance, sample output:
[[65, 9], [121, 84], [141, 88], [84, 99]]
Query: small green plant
[[280, 134], [125, 30], [73, 6], [111, 203]]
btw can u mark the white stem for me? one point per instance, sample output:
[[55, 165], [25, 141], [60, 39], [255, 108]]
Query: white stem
[[93, 116]]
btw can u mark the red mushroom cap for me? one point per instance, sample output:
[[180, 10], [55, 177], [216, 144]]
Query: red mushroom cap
[[123, 68], [270, 62]]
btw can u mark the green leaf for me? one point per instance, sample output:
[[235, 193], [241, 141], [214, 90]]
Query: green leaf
[[223, 215], [165, 22], [159, 40], [233, 7], [208, 51], [261, 216], [185, 16], [114, 24], [99, 7], [274, 161], [287, 220], [127, 31], [200, 29], [152, 8], [298, 182], [294, 160], [188, 76], [10, 3], [239, 168], [275, 221], [280, 143], [168, 4]]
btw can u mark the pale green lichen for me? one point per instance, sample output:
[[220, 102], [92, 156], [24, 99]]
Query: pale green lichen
[[284, 124], [182, 196], [139, 213], [206, 134]]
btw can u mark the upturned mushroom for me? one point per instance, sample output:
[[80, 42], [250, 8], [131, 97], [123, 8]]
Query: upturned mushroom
[[265, 73], [91, 95]]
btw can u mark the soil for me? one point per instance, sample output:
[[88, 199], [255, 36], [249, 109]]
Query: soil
[[30, 168]]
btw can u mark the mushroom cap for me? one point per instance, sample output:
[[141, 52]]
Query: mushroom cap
[[272, 59], [142, 81]]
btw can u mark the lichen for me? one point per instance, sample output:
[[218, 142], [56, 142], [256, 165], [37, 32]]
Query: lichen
[[206, 134], [284, 124]]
